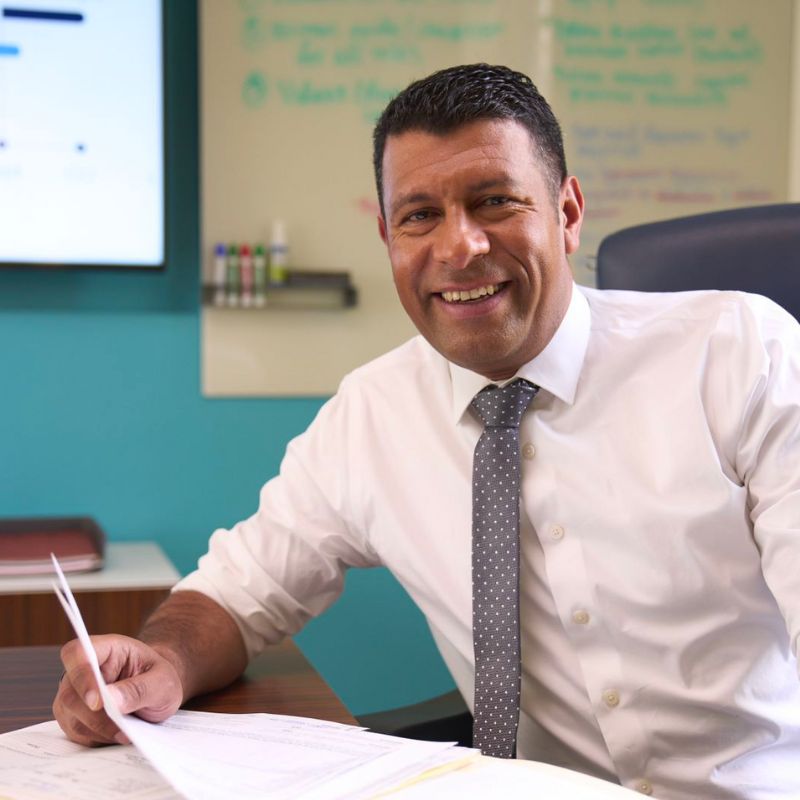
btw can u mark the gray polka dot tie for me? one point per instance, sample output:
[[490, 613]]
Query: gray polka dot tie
[[495, 566]]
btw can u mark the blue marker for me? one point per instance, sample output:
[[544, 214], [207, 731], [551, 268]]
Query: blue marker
[[219, 277]]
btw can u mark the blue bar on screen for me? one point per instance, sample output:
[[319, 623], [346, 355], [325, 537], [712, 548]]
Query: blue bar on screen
[[42, 14], [9, 50]]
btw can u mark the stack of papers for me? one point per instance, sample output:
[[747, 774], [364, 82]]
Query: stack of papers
[[209, 756]]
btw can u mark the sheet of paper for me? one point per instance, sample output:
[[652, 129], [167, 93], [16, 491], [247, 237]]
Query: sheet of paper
[[218, 756], [40, 763], [280, 757]]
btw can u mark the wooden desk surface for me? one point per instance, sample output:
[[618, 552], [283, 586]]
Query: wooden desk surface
[[281, 681]]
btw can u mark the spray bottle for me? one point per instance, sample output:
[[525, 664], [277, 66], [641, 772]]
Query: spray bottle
[[278, 254]]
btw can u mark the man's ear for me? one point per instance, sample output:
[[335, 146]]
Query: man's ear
[[571, 211], [382, 229]]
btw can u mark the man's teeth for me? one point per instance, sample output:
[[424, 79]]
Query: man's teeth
[[472, 294]]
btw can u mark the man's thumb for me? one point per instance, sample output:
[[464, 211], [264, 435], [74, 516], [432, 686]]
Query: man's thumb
[[130, 694]]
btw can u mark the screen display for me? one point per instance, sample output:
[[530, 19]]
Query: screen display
[[81, 133]]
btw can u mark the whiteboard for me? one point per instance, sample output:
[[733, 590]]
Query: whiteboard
[[672, 107], [669, 107]]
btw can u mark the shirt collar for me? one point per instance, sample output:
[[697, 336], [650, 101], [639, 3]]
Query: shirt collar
[[556, 369]]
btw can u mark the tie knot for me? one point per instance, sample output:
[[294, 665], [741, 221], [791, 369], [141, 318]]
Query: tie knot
[[503, 408]]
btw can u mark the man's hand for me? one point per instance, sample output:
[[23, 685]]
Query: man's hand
[[141, 680], [190, 645]]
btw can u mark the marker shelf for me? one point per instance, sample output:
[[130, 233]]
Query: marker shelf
[[303, 290]]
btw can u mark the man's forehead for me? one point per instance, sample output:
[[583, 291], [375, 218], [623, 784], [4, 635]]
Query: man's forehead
[[487, 153], [489, 127]]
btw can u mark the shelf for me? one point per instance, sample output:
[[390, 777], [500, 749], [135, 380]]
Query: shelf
[[303, 290]]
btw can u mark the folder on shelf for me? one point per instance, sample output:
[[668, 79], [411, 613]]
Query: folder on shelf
[[26, 544]]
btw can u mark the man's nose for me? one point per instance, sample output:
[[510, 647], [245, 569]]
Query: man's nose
[[459, 240]]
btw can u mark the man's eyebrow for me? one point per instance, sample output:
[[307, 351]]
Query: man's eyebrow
[[503, 181], [409, 199]]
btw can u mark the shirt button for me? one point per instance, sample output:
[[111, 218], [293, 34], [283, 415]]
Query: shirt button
[[645, 787], [557, 532], [611, 698], [580, 617], [528, 451]]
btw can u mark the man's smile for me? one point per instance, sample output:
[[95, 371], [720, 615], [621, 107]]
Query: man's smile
[[473, 303], [470, 295]]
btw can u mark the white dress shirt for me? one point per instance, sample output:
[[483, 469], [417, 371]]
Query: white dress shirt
[[660, 575]]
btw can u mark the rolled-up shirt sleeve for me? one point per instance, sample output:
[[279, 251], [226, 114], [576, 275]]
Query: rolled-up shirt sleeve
[[286, 563]]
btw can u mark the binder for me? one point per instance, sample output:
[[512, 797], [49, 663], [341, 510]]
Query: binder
[[26, 544]]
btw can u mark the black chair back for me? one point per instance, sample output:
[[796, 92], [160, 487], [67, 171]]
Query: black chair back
[[749, 249]]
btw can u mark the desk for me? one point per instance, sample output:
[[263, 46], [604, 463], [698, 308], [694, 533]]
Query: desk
[[136, 577], [280, 681]]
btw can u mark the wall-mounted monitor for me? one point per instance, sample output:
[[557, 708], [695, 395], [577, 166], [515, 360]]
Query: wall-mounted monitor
[[82, 133]]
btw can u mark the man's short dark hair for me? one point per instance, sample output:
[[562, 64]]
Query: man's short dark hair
[[456, 96]]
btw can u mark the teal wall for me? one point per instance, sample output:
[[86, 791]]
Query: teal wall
[[101, 414]]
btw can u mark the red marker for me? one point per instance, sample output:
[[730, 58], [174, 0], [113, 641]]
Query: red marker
[[246, 266]]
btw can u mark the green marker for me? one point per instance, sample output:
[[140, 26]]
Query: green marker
[[234, 280], [260, 276]]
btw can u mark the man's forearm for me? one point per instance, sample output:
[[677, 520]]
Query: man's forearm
[[199, 638]]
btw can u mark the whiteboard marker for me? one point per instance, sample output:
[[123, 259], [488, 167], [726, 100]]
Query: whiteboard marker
[[260, 276], [219, 275], [234, 279], [246, 270]]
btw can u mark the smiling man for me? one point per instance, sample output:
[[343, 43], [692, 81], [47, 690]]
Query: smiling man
[[592, 496]]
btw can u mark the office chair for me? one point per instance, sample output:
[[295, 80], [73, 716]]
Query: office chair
[[750, 249]]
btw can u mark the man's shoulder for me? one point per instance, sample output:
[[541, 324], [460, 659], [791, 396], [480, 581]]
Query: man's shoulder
[[709, 308], [407, 381], [409, 359]]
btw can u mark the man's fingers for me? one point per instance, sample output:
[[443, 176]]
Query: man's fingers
[[80, 723], [83, 734], [145, 693], [129, 695], [79, 674], [83, 683]]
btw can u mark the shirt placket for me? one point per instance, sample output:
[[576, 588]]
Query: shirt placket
[[613, 704]]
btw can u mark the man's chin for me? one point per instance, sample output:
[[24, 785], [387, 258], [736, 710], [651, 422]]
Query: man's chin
[[491, 364]]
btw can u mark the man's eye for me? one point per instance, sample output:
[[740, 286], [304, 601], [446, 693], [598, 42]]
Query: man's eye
[[418, 216], [496, 201]]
